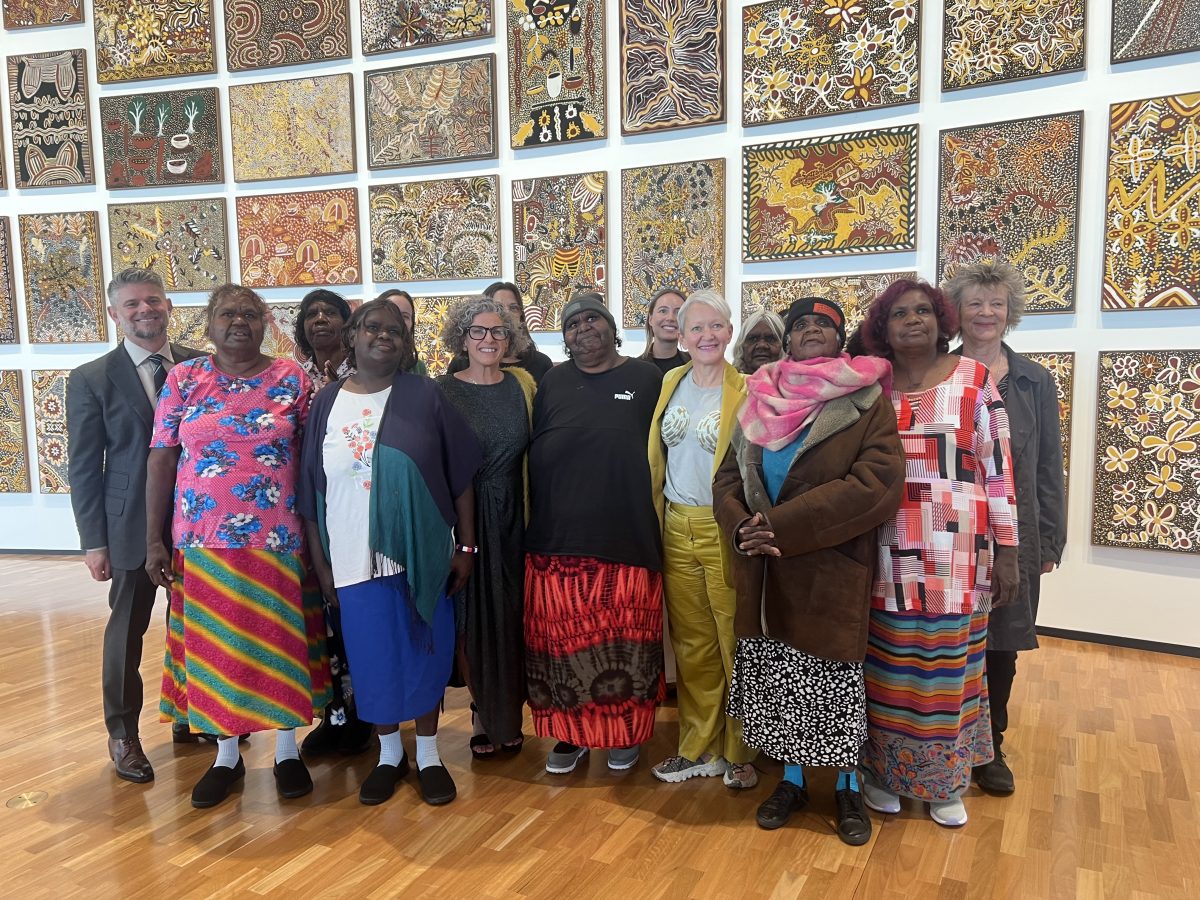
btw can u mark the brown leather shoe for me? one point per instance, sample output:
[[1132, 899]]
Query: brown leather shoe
[[130, 760]]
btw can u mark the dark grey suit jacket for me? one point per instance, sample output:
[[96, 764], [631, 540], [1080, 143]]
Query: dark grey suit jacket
[[109, 423]]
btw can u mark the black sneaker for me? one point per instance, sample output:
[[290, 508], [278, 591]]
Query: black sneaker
[[775, 811], [995, 777], [853, 823], [214, 786], [292, 779]]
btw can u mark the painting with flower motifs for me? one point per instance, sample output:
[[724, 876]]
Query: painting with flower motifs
[[1142, 29], [389, 25], [268, 33], [41, 13], [1147, 492], [1152, 239], [1011, 190], [991, 43], [9, 333], [853, 293], [560, 243], [309, 238], [808, 58], [184, 241], [435, 230], [830, 196], [137, 39], [64, 284], [672, 64], [51, 133], [14, 459], [431, 315], [1061, 367], [50, 429], [672, 232]]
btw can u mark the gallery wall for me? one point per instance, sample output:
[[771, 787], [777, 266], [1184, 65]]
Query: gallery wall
[[1111, 588]]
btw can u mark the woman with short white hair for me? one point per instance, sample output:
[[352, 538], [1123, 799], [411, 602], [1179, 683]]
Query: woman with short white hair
[[760, 341]]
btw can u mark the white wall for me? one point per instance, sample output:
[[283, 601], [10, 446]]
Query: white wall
[[1138, 594]]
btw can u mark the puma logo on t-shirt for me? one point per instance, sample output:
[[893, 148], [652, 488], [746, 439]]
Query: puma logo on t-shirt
[[624, 395]]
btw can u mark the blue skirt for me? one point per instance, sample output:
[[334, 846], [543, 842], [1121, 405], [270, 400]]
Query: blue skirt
[[400, 663]]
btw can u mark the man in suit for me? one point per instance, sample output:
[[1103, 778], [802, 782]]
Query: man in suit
[[110, 416]]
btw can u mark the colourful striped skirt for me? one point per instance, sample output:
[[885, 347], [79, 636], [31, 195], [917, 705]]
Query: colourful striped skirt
[[245, 642], [593, 650], [928, 720]]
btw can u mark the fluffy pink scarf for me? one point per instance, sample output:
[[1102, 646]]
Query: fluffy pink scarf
[[784, 397]]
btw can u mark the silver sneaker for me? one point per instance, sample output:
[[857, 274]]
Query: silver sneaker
[[624, 758], [675, 769], [564, 757]]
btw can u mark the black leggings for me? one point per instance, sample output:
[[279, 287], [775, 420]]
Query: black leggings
[[1001, 670]]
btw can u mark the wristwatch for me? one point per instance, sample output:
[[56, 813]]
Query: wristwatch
[[463, 548]]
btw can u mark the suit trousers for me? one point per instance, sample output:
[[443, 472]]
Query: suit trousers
[[700, 605], [1001, 672], [131, 601]]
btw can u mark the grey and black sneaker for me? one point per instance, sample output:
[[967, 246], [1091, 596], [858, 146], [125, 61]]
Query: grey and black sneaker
[[564, 757], [622, 758], [995, 777], [675, 769]]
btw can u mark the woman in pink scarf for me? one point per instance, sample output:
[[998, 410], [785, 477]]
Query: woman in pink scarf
[[814, 468]]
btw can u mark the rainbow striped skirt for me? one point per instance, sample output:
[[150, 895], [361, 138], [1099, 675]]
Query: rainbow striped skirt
[[245, 642], [928, 720]]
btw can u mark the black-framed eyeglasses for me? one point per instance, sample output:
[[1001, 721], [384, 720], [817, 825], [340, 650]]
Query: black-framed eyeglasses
[[479, 332]]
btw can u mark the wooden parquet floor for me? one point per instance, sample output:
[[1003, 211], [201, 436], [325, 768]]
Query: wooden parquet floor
[[1105, 743]]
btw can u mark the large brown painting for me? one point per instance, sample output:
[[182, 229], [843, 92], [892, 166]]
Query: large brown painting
[[308, 238]]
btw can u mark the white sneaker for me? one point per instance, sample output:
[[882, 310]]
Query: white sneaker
[[951, 813], [878, 799]]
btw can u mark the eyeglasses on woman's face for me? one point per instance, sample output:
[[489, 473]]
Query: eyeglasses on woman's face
[[479, 332]]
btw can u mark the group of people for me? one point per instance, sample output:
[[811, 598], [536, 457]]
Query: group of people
[[844, 550]]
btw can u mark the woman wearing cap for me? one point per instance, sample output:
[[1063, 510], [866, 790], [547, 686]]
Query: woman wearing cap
[[530, 358], [760, 341], [690, 433], [814, 468], [593, 573], [662, 330]]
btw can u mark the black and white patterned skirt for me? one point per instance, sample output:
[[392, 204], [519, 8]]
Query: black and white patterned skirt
[[797, 708]]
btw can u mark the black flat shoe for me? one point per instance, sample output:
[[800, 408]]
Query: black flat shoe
[[214, 786], [181, 734], [853, 823], [775, 811], [292, 779], [437, 787], [325, 738], [381, 783]]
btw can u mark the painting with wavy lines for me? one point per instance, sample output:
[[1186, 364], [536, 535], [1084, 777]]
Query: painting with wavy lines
[[138, 39], [389, 25], [262, 34], [308, 238], [50, 129], [41, 13], [14, 457], [1142, 29]]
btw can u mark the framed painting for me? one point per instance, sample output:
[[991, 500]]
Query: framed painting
[[41, 13], [432, 112], [184, 241], [48, 108], [807, 58], [388, 26], [830, 196], [142, 39], [50, 429], [187, 325], [560, 242], [308, 238], [64, 281], [1148, 451], [672, 232], [1002, 42], [9, 332], [556, 92], [292, 129], [672, 64], [429, 317], [1151, 221], [14, 454], [279, 337], [435, 230], [1061, 367], [1011, 190], [854, 293], [262, 34], [1143, 29], [159, 139]]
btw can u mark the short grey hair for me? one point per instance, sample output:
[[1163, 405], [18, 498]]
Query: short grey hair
[[705, 297], [989, 273], [463, 312], [130, 276], [752, 321]]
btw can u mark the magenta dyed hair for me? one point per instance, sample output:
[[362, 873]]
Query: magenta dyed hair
[[874, 327]]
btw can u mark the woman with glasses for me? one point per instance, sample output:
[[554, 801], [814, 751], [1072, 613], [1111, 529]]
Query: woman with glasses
[[404, 302], [497, 402]]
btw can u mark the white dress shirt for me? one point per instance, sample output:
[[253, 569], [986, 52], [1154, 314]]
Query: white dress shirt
[[145, 368]]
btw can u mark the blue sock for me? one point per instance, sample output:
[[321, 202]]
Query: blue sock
[[794, 774], [847, 781]]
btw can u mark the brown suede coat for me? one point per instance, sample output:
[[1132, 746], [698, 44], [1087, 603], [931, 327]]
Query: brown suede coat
[[845, 482]]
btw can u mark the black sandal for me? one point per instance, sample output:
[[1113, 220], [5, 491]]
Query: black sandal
[[513, 747], [479, 741]]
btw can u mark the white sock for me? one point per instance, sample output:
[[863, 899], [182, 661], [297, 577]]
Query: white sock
[[427, 751], [227, 752], [391, 749], [285, 744]]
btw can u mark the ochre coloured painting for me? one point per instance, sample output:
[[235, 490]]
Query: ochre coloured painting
[[672, 232], [1152, 219], [49, 126], [435, 230], [389, 25], [184, 241], [830, 196], [807, 58], [14, 455], [431, 315], [263, 34], [990, 43], [308, 238], [1061, 367], [556, 72], [854, 293], [292, 129], [560, 243], [187, 325], [1142, 29], [1011, 190], [137, 39], [9, 331], [64, 283], [161, 138], [41, 13], [50, 429], [1147, 492], [672, 64]]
